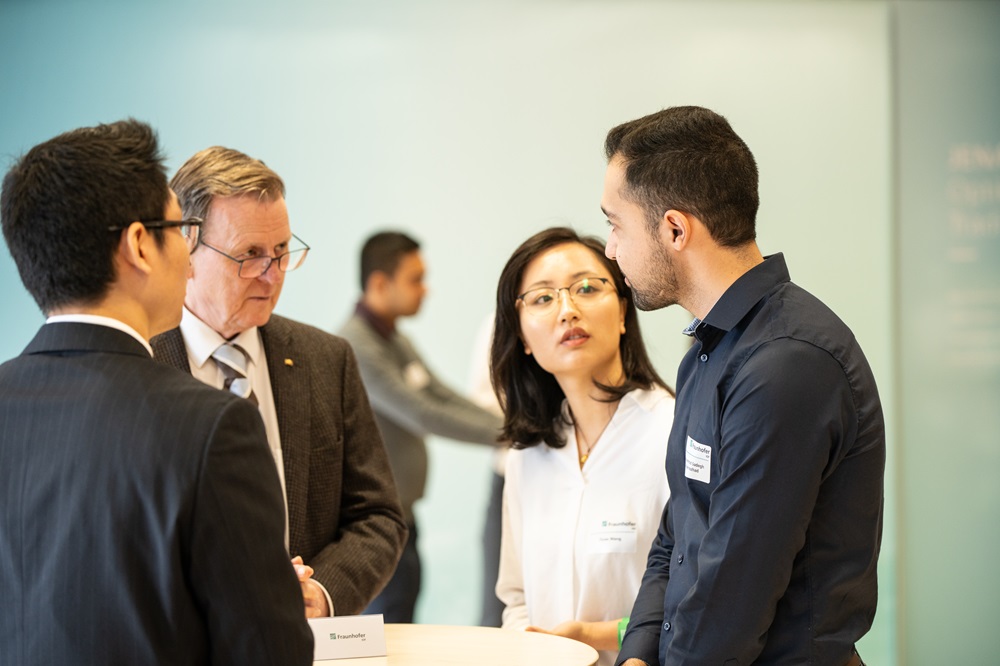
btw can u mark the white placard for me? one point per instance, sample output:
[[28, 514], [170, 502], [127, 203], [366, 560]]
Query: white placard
[[698, 461], [348, 636], [612, 536]]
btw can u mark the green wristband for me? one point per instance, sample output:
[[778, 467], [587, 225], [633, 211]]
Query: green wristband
[[622, 626]]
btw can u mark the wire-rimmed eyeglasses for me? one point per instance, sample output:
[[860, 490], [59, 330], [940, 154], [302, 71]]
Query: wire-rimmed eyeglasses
[[254, 267], [584, 293]]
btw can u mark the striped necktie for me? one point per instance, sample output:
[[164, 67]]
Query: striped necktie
[[233, 361]]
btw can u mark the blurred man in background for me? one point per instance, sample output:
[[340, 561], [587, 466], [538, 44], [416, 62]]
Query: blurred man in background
[[409, 401]]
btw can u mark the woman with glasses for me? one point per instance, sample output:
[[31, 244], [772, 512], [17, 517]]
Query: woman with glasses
[[589, 418]]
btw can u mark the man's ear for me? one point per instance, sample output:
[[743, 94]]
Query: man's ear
[[135, 247], [675, 229], [377, 282]]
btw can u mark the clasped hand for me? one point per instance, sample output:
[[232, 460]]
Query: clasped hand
[[312, 593]]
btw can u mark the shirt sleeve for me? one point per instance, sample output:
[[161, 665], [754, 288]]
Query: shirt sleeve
[[780, 423], [433, 408], [642, 638], [510, 580]]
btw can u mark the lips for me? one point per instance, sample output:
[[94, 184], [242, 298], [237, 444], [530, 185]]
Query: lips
[[575, 335]]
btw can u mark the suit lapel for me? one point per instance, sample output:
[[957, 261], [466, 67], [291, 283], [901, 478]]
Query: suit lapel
[[169, 348], [290, 385]]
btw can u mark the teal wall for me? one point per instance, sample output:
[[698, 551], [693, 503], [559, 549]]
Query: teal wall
[[948, 241], [473, 125]]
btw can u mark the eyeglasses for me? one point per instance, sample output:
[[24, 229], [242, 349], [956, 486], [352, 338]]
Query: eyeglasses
[[584, 293], [254, 267], [190, 228]]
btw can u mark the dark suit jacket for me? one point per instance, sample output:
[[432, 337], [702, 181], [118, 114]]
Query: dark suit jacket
[[140, 514], [344, 514]]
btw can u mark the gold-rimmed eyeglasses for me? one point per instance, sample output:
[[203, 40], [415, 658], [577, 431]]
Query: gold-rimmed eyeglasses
[[585, 292]]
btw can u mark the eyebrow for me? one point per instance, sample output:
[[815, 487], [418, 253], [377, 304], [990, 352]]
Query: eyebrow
[[257, 247], [572, 278]]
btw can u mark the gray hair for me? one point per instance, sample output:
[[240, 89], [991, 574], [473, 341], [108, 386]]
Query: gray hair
[[223, 172]]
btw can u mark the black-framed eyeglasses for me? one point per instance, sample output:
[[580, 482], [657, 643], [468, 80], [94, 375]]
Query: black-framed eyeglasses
[[190, 228], [254, 267], [584, 293]]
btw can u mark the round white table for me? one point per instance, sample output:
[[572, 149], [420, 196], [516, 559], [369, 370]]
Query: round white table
[[438, 645]]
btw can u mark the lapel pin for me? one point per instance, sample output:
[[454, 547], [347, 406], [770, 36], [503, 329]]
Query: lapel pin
[[289, 362]]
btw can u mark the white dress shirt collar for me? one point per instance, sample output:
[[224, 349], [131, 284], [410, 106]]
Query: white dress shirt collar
[[99, 320], [645, 399], [202, 340]]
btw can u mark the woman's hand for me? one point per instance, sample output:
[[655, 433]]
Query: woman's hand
[[598, 635]]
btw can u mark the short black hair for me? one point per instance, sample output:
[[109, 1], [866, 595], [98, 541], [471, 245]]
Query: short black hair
[[383, 251], [60, 198], [530, 396], [688, 158]]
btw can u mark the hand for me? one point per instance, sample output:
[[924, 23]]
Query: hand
[[573, 629], [312, 593], [598, 635]]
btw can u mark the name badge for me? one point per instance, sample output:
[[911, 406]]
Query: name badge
[[348, 636], [415, 375], [612, 536], [698, 461]]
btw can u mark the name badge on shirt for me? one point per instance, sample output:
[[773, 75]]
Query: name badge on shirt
[[612, 536], [698, 461], [415, 375]]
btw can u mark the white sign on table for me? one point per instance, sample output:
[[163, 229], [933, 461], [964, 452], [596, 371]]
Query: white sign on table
[[348, 636]]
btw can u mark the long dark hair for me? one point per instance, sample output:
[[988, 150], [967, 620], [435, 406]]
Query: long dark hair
[[530, 396]]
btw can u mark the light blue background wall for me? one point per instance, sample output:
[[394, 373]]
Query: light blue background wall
[[949, 302], [473, 125]]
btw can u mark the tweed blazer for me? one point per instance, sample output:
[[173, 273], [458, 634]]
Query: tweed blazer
[[141, 520], [344, 514]]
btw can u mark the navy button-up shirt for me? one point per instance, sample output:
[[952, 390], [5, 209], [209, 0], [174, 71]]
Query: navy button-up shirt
[[775, 461]]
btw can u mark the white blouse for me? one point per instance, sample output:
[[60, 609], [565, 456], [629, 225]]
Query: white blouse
[[575, 540]]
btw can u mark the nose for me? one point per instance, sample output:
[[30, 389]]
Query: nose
[[273, 274], [611, 247], [567, 308]]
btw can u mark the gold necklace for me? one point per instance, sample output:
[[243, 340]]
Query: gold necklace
[[581, 438], [584, 456], [590, 447]]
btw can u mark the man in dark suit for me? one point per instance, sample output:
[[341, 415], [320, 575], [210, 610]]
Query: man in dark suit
[[142, 518], [344, 517]]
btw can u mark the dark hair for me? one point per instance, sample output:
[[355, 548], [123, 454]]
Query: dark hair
[[530, 396], [222, 172], [60, 198], [383, 252], [688, 158]]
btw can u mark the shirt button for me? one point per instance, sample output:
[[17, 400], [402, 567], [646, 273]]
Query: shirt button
[[680, 559], [703, 357], [666, 626]]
